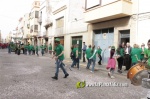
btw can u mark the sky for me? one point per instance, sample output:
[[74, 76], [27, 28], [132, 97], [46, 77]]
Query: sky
[[10, 13]]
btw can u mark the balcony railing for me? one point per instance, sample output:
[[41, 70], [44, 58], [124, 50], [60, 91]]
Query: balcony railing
[[48, 22]]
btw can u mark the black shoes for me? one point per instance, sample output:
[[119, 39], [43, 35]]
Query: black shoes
[[66, 75], [56, 78]]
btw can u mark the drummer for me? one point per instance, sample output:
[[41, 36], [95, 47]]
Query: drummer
[[147, 54], [135, 54]]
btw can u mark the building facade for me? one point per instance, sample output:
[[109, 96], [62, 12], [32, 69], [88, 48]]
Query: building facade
[[68, 25], [116, 21], [33, 22]]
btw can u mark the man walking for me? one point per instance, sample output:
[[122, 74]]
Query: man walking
[[127, 60], [37, 49], [59, 57], [84, 50]]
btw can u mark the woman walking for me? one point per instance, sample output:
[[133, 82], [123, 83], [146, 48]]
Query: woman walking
[[93, 57], [111, 63], [99, 50]]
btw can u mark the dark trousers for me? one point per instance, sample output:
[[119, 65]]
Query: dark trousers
[[84, 57], [120, 63], [33, 52], [88, 64], [18, 52], [29, 52], [100, 59], [59, 65], [127, 61], [77, 62]]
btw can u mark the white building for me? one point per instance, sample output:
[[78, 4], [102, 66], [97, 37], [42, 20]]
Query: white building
[[33, 21]]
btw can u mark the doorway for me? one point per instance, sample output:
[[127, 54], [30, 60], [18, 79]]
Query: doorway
[[124, 36]]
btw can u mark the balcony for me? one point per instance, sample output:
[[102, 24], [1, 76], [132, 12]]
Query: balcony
[[114, 10], [48, 23]]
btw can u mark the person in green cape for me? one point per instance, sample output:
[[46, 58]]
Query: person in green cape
[[42, 50], [37, 50], [135, 54], [88, 55], [147, 55], [50, 48]]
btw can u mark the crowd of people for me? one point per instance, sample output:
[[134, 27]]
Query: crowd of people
[[29, 49], [124, 55], [3, 45]]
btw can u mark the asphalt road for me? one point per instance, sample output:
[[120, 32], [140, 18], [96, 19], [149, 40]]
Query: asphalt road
[[29, 77]]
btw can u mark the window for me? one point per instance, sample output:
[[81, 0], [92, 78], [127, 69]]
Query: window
[[35, 28], [36, 14], [92, 3], [60, 22]]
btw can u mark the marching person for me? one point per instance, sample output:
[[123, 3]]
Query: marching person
[[84, 49], [42, 50], [127, 60], [9, 48], [88, 55], [76, 57], [143, 51], [99, 50], [59, 57], [29, 49], [50, 48], [120, 55], [19, 48], [45, 48], [93, 57], [72, 56], [135, 54], [111, 63], [37, 50], [147, 54]]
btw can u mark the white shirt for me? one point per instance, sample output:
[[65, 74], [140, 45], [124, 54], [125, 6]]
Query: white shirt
[[127, 51]]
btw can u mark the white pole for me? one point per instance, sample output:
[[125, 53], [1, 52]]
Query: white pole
[[137, 19]]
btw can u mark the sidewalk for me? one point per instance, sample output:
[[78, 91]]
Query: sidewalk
[[97, 67]]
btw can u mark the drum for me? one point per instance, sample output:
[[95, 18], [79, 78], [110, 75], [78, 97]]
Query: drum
[[136, 73]]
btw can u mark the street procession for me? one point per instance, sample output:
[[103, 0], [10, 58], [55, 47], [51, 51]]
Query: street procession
[[75, 49]]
